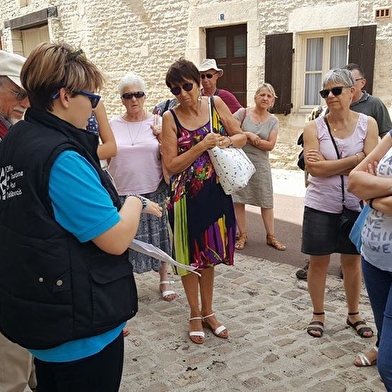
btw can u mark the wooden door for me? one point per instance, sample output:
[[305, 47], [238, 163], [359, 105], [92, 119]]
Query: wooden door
[[228, 46], [32, 37]]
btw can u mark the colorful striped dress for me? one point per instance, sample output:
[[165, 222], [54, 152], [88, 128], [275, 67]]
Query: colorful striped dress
[[200, 214]]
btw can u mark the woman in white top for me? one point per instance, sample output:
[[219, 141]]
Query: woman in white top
[[371, 180], [137, 168]]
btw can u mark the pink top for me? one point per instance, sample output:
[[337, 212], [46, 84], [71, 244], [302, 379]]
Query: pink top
[[325, 193], [137, 166]]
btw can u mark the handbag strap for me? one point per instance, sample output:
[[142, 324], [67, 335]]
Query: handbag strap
[[337, 154], [243, 117], [210, 112]]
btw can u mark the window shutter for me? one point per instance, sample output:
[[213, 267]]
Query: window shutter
[[362, 48], [278, 69]]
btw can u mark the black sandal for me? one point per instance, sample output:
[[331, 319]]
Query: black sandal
[[361, 331], [316, 326]]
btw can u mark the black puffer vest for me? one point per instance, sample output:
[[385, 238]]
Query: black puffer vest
[[53, 288]]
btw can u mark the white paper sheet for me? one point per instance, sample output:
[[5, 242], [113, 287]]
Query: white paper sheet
[[153, 251]]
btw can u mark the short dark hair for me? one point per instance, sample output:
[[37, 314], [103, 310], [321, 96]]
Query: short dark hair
[[180, 70], [352, 66]]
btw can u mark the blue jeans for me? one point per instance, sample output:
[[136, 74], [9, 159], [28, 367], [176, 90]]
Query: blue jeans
[[379, 288]]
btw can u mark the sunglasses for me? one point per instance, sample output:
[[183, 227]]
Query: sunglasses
[[185, 87], [19, 95], [138, 94], [335, 91], [94, 98], [208, 76]]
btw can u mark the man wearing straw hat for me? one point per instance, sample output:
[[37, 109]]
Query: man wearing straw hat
[[209, 74]]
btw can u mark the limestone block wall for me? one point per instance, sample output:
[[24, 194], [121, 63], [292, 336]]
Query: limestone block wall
[[146, 36]]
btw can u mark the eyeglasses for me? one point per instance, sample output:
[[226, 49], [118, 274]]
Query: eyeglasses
[[185, 87], [208, 76], [335, 91], [19, 95], [138, 94], [358, 79], [94, 98]]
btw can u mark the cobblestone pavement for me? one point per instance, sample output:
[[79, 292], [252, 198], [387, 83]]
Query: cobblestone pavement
[[266, 310]]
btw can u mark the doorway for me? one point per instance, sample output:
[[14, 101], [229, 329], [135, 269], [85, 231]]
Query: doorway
[[228, 46]]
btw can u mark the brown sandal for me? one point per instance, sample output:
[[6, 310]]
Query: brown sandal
[[272, 241], [241, 241]]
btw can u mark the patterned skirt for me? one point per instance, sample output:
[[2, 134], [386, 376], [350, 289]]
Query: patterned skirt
[[152, 230]]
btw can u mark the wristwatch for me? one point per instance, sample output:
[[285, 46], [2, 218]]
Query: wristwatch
[[141, 198]]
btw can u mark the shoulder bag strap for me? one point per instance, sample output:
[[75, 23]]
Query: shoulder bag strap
[[337, 154], [243, 117], [210, 113]]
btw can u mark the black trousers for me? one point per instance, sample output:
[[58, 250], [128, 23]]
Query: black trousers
[[98, 373]]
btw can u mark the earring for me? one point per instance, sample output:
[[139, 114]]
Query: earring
[[200, 97]]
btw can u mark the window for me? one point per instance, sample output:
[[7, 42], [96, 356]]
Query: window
[[293, 70], [322, 54]]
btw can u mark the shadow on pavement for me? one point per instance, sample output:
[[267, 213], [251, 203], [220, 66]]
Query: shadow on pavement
[[288, 229]]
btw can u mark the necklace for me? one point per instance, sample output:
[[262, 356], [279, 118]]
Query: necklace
[[131, 132]]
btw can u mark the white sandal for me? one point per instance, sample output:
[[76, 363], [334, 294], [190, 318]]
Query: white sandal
[[199, 335], [167, 293], [218, 331], [364, 361]]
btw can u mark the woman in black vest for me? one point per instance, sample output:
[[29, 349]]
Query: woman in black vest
[[64, 237]]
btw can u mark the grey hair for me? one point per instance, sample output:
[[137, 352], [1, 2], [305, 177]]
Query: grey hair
[[339, 76], [131, 80]]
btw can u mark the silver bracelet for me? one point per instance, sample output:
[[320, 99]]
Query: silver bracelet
[[141, 198]]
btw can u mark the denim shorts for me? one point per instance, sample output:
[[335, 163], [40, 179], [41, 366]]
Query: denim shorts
[[321, 235]]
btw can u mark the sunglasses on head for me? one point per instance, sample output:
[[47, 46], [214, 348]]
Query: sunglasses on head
[[94, 98], [138, 94], [208, 76], [185, 87], [335, 91]]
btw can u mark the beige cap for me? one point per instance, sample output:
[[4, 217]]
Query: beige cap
[[11, 65], [207, 64]]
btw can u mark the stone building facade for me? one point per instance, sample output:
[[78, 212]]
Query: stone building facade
[[146, 36]]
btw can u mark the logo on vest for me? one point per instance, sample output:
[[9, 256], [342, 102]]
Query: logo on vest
[[9, 182]]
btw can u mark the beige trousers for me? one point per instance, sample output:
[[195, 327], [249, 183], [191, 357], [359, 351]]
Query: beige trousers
[[16, 367]]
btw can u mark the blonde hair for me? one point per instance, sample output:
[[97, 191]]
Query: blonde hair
[[268, 87], [52, 66]]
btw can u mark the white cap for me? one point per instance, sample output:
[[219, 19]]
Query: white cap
[[11, 65]]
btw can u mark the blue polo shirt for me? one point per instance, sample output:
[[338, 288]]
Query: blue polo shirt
[[77, 194]]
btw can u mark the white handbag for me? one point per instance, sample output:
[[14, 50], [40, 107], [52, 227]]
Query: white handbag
[[231, 164]]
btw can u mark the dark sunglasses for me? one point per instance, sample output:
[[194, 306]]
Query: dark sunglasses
[[335, 91], [94, 98], [19, 95], [138, 94], [208, 76], [185, 87]]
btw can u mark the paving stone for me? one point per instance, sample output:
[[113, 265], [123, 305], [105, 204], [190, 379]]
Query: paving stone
[[266, 310]]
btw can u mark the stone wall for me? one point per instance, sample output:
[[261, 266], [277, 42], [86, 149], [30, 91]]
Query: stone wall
[[146, 36]]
